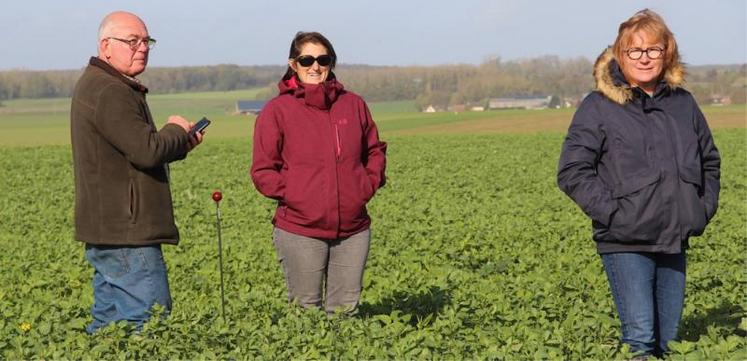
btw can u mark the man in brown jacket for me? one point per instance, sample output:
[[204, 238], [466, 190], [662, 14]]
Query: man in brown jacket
[[123, 208]]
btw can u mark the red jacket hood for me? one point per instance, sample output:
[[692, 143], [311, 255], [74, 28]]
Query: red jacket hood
[[320, 96]]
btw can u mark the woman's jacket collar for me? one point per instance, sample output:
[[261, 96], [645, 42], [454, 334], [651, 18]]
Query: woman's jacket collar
[[320, 96], [611, 82]]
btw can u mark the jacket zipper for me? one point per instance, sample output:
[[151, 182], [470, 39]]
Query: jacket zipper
[[337, 139], [338, 155]]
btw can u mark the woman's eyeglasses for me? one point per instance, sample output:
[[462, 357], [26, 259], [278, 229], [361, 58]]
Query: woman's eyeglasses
[[308, 60], [651, 53]]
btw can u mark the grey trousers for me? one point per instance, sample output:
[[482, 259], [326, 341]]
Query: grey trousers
[[308, 263]]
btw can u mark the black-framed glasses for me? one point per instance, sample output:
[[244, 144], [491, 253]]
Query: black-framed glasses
[[652, 53], [135, 43], [308, 60]]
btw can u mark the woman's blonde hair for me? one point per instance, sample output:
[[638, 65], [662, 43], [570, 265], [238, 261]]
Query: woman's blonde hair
[[653, 25]]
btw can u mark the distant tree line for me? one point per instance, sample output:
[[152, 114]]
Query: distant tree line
[[713, 84], [208, 78], [445, 85], [440, 86], [16, 84]]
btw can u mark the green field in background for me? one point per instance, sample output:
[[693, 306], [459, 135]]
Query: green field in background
[[31, 122]]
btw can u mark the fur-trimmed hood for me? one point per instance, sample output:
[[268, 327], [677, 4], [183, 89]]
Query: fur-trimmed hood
[[611, 82]]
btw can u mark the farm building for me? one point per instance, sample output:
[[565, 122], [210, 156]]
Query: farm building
[[718, 99], [430, 109], [249, 106], [520, 102]]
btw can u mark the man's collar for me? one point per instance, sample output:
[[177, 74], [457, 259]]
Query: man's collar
[[132, 82]]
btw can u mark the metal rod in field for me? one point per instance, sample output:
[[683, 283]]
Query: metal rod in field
[[217, 196]]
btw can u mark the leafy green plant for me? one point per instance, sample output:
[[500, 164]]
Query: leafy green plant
[[475, 255]]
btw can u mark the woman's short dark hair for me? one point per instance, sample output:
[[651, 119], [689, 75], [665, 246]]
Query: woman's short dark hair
[[300, 40]]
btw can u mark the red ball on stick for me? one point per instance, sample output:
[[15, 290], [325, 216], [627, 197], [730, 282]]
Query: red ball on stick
[[217, 196]]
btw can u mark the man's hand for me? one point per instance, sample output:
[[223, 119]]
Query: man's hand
[[178, 120], [194, 141], [186, 125]]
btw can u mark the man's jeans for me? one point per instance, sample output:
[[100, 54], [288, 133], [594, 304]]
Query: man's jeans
[[308, 263], [127, 282], [649, 293]]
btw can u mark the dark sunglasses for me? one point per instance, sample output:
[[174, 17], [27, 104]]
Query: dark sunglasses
[[308, 60]]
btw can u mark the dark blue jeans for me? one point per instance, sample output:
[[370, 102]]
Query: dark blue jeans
[[127, 282], [649, 293]]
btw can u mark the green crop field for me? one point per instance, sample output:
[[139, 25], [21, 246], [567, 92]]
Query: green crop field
[[475, 254], [46, 121]]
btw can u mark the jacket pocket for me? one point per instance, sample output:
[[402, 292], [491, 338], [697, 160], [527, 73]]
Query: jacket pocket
[[692, 206], [355, 192], [368, 187], [640, 216], [304, 199], [133, 203], [365, 188]]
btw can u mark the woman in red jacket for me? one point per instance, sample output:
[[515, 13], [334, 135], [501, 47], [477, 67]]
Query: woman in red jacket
[[317, 152]]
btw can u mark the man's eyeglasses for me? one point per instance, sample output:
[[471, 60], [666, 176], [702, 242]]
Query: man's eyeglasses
[[135, 43], [308, 60], [651, 53]]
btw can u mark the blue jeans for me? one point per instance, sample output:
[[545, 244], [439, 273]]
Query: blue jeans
[[127, 282], [649, 293]]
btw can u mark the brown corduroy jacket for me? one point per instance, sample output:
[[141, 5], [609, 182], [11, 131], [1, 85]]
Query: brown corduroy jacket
[[122, 194]]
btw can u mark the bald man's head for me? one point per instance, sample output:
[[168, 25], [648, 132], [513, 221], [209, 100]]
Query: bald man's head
[[118, 33], [111, 21]]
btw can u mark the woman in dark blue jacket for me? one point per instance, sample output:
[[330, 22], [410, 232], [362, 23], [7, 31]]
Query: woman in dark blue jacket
[[640, 161]]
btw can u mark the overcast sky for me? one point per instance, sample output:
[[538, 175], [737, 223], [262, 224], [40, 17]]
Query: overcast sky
[[55, 34]]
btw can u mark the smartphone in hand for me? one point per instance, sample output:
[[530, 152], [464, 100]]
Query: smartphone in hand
[[199, 127]]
